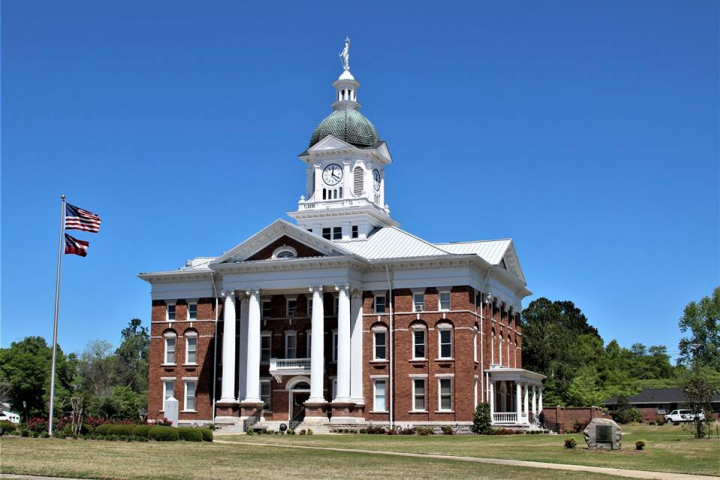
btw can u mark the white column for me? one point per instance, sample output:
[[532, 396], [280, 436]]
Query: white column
[[534, 400], [540, 405], [525, 401], [317, 357], [228, 357], [491, 394], [343, 354], [518, 401], [252, 387], [243, 368], [356, 348]]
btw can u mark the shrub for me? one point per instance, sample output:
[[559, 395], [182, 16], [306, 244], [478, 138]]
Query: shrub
[[309, 432], [579, 426], [482, 421], [165, 422], [44, 435], [207, 434], [8, 427], [67, 430], [660, 422], [268, 431], [190, 434], [377, 430], [640, 444], [103, 428], [121, 431], [141, 431], [447, 430], [24, 433], [161, 433], [570, 443], [424, 431], [37, 425], [60, 434], [290, 431], [405, 431], [250, 432], [302, 432]]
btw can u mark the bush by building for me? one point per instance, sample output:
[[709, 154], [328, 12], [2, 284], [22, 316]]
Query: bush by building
[[161, 433]]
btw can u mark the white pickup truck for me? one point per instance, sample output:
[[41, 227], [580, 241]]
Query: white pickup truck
[[682, 416]]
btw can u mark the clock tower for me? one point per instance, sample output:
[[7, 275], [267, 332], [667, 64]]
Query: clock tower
[[345, 183]]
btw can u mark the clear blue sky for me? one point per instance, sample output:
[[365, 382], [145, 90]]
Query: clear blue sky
[[586, 131]]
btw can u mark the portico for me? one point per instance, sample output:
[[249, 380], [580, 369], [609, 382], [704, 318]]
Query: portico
[[514, 395]]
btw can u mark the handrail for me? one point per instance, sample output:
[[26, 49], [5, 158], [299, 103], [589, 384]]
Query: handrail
[[298, 418]]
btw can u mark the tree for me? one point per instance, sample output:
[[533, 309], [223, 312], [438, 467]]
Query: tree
[[133, 356], [584, 389], [699, 388], [482, 421], [26, 366], [97, 368], [702, 322]]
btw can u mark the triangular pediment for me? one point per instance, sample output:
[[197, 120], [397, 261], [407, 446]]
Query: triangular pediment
[[330, 143], [511, 262], [278, 237]]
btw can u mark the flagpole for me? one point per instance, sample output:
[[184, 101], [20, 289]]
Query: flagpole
[[57, 303]]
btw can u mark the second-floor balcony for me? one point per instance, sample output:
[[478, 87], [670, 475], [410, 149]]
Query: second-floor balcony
[[289, 366]]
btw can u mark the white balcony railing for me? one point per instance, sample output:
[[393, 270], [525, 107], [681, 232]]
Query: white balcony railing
[[289, 366], [505, 418]]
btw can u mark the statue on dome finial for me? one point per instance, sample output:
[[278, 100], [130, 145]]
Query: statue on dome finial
[[345, 55]]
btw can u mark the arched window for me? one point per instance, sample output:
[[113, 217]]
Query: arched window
[[358, 181], [284, 252]]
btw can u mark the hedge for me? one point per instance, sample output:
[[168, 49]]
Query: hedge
[[163, 434], [207, 434], [7, 426], [103, 429], [190, 434], [141, 431], [122, 430]]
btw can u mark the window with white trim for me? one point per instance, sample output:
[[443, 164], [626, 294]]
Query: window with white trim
[[191, 339], [337, 233], [192, 311], [492, 349], [170, 348], [379, 395], [380, 344], [266, 308], [171, 312], [290, 345], [168, 390], [501, 348], [326, 231], [265, 393], [380, 304], [310, 306], [291, 307], [444, 299], [418, 343], [190, 387], [265, 347], [475, 344], [308, 343], [445, 394], [445, 341], [334, 346], [419, 395], [475, 395], [418, 302], [355, 232]]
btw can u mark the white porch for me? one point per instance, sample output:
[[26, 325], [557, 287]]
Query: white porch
[[514, 395]]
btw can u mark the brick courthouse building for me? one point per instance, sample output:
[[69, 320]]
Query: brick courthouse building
[[342, 317]]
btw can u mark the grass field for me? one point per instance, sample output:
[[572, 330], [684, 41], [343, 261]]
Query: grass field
[[669, 448], [185, 460]]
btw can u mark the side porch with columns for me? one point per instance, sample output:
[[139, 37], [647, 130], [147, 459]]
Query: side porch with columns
[[515, 396]]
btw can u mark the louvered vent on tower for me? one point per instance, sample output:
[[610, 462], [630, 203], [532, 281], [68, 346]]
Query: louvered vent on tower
[[358, 174]]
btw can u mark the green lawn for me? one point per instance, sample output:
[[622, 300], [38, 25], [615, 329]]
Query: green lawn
[[184, 460], [669, 448]]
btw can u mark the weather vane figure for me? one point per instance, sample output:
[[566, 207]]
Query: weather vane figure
[[345, 54]]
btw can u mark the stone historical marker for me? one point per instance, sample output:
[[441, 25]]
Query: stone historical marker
[[171, 407], [603, 433]]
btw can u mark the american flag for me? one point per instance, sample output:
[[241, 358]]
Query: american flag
[[78, 219], [75, 246]]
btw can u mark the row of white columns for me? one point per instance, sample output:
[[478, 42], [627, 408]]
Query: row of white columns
[[349, 361], [522, 400]]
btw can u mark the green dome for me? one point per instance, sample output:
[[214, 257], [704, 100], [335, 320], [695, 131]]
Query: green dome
[[348, 125]]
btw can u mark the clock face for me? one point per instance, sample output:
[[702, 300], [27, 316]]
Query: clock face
[[376, 179], [332, 174]]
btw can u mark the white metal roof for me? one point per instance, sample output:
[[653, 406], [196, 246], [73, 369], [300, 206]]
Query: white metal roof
[[392, 242], [491, 251]]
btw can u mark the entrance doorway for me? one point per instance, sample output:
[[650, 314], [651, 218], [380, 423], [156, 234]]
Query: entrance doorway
[[299, 393]]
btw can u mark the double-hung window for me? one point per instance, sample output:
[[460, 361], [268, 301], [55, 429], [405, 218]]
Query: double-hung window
[[445, 394], [380, 344], [418, 302], [191, 339], [266, 308], [265, 393], [192, 311], [290, 345], [475, 344], [418, 343], [168, 390], [419, 395], [190, 387], [337, 233], [380, 304], [445, 341], [444, 298], [170, 348], [265, 347], [380, 394], [171, 312], [292, 308]]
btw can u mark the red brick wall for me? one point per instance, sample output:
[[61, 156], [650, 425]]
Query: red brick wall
[[562, 419]]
